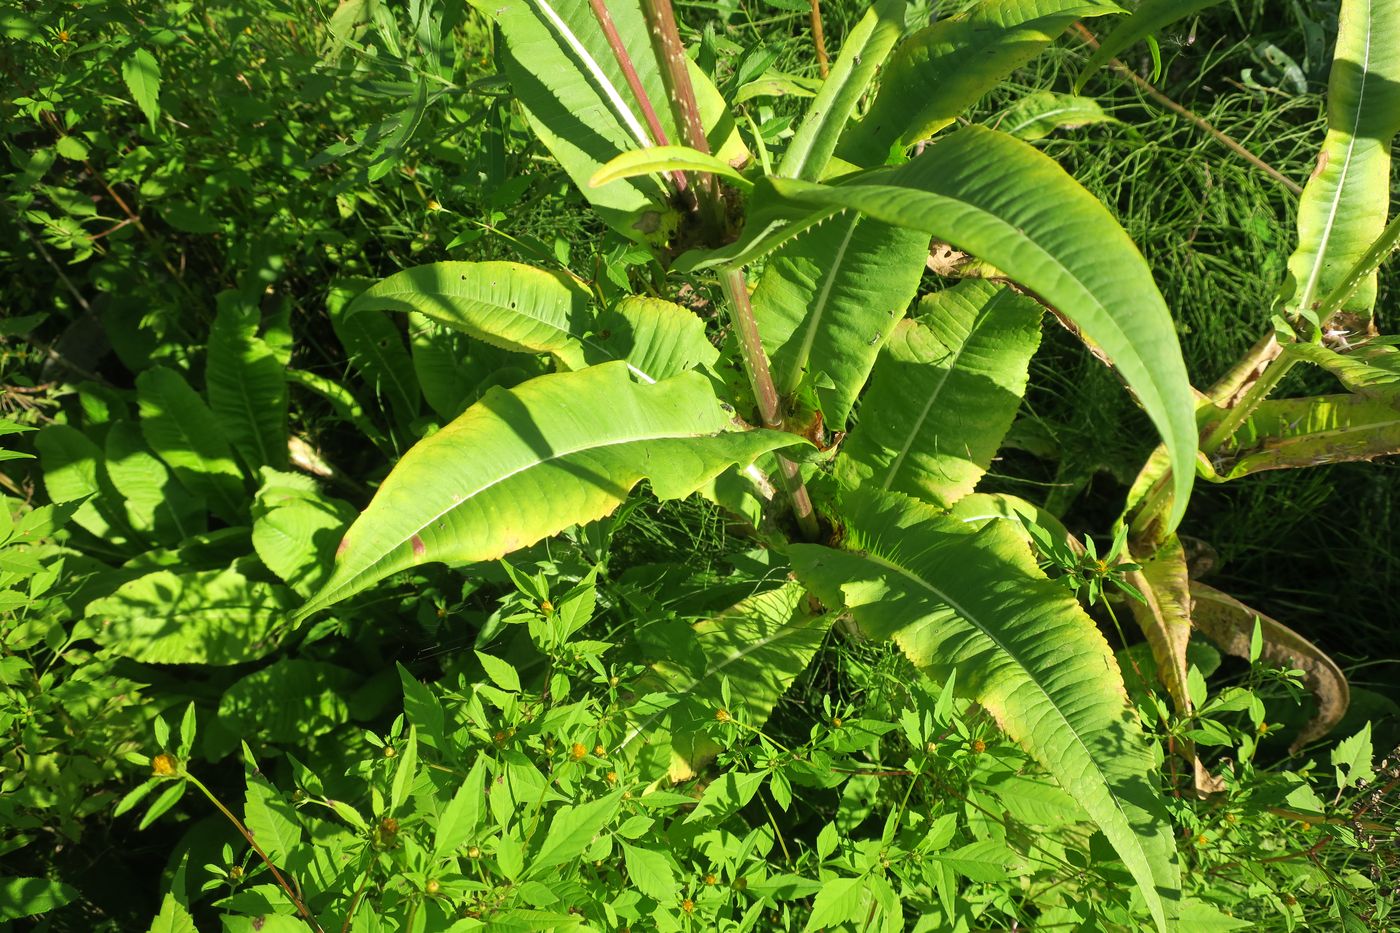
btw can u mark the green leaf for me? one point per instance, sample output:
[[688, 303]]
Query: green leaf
[[1021, 646], [571, 831], [376, 350], [154, 503], [1165, 617], [942, 69], [985, 860], [528, 462], [1371, 370], [173, 918], [289, 702], [563, 72], [296, 529], [658, 339], [207, 617], [443, 363], [1147, 19], [1001, 200], [1352, 759], [650, 872], [183, 432], [1302, 432], [141, 72], [763, 643], [656, 160], [828, 300], [247, 386], [505, 304], [271, 819], [459, 820], [943, 394], [1039, 114], [839, 901], [73, 471], [1343, 207], [25, 897], [862, 53], [501, 673]]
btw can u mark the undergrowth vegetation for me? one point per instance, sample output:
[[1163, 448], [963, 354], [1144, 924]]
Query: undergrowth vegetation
[[545, 465]]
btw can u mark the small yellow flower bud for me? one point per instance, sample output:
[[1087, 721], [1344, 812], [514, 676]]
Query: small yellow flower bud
[[577, 751], [164, 765], [722, 715]]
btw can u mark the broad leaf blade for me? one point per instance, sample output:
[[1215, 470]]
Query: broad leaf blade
[[1372, 370], [829, 299], [1004, 202], [658, 339], [1302, 432], [944, 393], [141, 72], [1021, 646], [247, 386], [1039, 114], [525, 463], [376, 350], [184, 433], [862, 53], [1343, 207], [945, 68], [506, 304]]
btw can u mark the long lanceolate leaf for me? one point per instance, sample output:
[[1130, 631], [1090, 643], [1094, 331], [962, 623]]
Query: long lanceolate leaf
[[862, 53], [1021, 646], [1344, 205], [943, 393], [247, 386], [1303, 432], [526, 463], [941, 70], [829, 299], [1004, 202]]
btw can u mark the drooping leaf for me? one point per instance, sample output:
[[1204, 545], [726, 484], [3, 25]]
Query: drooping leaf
[[1021, 646], [1371, 370], [208, 617], [1229, 623], [944, 393], [562, 71], [760, 645], [1039, 114], [525, 463], [862, 53], [1302, 432], [1001, 200], [376, 350], [141, 72], [656, 160], [1343, 207], [506, 304], [828, 300], [290, 701], [1148, 18], [942, 69], [247, 386], [184, 433]]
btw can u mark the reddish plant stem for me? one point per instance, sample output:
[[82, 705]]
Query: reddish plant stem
[[819, 39], [634, 83], [1226, 141], [675, 76]]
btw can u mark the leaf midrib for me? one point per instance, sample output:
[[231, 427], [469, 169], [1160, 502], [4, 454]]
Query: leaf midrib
[[972, 619], [814, 318], [1315, 272]]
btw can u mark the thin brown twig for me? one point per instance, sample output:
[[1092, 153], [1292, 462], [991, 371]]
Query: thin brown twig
[[819, 39], [1201, 122]]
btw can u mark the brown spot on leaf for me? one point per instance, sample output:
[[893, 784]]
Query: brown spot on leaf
[[419, 549], [341, 548]]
